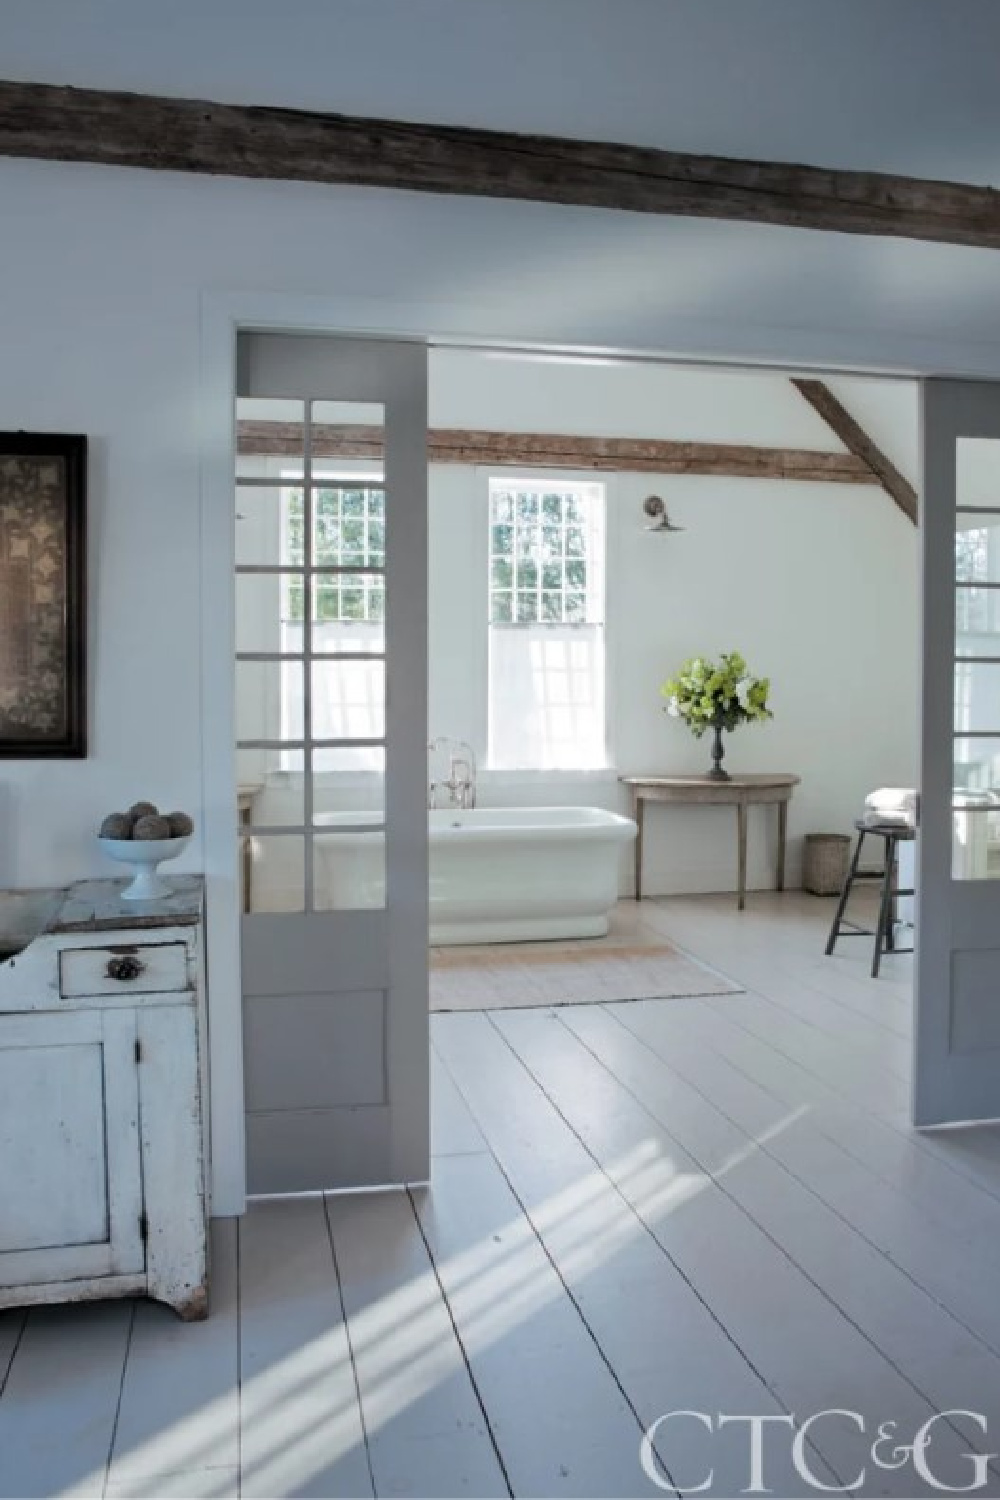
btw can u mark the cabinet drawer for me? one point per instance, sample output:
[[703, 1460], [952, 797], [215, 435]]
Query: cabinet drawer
[[123, 968]]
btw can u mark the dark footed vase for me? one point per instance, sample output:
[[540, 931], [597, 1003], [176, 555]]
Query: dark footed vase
[[718, 751]]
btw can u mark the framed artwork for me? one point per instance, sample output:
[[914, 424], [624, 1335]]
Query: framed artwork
[[43, 677]]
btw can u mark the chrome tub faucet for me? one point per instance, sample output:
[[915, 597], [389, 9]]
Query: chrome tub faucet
[[461, 782]]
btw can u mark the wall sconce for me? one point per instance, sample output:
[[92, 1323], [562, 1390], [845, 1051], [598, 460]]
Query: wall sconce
[[654, 507]]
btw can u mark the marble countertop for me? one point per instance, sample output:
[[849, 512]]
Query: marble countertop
[[96, 906]]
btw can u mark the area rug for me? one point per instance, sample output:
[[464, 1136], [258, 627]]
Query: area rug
[[517, 975]]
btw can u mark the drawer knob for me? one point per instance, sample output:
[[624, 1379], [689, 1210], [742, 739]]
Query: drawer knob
[[124, 968]]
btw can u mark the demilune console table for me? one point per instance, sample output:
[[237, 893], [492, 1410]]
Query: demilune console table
[[702, 791]]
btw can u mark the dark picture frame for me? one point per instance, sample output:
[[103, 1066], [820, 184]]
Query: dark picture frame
[[43, 604]]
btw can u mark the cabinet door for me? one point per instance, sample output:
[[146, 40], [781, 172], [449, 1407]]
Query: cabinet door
[[70, 1176]]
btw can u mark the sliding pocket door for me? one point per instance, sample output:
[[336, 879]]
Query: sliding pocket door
[[331, 627]]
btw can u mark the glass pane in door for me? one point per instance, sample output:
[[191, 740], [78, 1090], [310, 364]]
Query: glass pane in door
[[270, 701], [977, 696], [348, 700], [977, 473], [271, 788], [350, 865], [976, 775], [348, 430], [270, 438], [976, 809], [273, 873], [349, 779], [977, 547], [977, 621], [264, 601], [310, 649]]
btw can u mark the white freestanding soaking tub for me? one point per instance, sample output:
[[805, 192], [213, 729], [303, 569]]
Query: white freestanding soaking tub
[[497, 875]]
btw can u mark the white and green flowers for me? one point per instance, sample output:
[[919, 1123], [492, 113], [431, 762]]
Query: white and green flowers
[[709, 694]]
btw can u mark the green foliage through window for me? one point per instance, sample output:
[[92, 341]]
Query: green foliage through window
[[546, 554], [348, 531]]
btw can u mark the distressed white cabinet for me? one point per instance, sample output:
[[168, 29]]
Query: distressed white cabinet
[[103, 1104]]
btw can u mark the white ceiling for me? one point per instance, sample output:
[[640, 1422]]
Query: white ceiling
[[898, 85]]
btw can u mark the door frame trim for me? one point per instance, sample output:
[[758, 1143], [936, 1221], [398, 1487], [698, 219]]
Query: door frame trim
[[225, 313]]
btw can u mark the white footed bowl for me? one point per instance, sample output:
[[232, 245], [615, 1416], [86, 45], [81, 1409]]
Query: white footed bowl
[[144, 855]]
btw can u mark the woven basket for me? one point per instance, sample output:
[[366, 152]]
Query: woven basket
[[824, 863]]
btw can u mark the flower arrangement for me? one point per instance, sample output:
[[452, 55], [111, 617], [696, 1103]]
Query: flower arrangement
[[716, 695]]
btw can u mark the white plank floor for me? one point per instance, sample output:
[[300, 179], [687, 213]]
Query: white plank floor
[[713, 1205]]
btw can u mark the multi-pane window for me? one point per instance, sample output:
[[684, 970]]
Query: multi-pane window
[[546, 554], [348, 531], [546, 616], [347, 616]]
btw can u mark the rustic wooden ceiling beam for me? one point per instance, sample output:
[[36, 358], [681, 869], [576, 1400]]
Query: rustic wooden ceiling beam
[[449, 445], [187, 135], [856, 441]]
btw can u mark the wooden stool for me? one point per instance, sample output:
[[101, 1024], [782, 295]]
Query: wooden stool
[[893, 834]]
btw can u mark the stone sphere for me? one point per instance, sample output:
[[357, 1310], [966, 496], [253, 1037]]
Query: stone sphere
[[116, 826], [180, 824], [143, 810], [152, 826]]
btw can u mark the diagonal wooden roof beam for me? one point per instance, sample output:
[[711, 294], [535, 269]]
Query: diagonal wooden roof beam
[[856, 441], [54, 123]]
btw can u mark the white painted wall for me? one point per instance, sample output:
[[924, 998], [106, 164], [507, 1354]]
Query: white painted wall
[[814, 583], [107, 281]]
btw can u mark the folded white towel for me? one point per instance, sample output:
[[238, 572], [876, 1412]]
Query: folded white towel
[[892, 804]]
